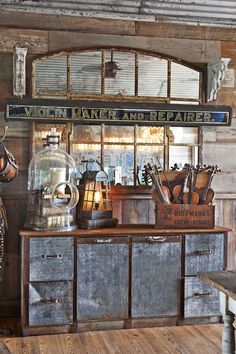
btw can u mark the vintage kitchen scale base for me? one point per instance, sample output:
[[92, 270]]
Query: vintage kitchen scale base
[[184, 216], [97, 223]]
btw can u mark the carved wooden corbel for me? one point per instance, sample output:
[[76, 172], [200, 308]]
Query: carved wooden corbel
[[215, 76], [19, 71]]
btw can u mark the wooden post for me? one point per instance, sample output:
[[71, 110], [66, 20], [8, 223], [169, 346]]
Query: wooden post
[[228, 336]]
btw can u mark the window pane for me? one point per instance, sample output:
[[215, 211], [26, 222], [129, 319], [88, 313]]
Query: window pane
[[182, 155], [151, 135], [51, 75], [87, 133], [184, 135], [119, 134], [83, 152], [119, 163], [152, 76], [123, 79], [184, 82], [86, 71], [147, 154]]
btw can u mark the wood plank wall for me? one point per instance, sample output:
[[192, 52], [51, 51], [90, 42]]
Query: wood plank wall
[[42, 34]]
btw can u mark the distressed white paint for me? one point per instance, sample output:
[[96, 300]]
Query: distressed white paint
[[211, 12], [229, 80], [215, 76], [19, 71]]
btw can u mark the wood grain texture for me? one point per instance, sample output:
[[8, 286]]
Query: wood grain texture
[[82, 24], [36, 41], [185, 49], [173, 340], [224, 281]]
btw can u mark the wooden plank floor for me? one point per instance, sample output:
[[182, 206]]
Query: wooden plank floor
[[199, 339]]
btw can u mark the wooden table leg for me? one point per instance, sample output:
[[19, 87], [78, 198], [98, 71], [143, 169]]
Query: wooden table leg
[[228, 337]]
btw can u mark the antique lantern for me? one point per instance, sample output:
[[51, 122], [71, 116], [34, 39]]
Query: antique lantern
[[52, 190], [95, 205]]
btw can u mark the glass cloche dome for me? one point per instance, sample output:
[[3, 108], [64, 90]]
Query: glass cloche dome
[[52, 191]]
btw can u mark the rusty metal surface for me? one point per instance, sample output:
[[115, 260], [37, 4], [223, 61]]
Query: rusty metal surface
[[211, 12]]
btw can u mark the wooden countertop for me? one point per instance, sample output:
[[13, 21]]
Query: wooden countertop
[[224, 281], [123, 230]]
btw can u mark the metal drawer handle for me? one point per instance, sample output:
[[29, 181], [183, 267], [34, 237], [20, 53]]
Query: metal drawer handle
[[157, 238], [103, 241], [46, 256], [50, 301], [205, 293], [204, 252]]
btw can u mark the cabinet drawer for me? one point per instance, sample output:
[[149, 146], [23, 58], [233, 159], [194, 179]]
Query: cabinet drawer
[[51, 258], [204, 253], [200, 299], [50, 303]]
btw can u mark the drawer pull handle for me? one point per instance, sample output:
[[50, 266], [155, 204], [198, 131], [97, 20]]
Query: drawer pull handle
[[103, 240], [46, 256], [205, 293], [157, 238], [204, 252], [50, 301]]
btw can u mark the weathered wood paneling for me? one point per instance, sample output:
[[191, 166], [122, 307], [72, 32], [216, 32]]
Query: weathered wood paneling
[[95, 25], [185, 49], [169, 30], [36, 41]]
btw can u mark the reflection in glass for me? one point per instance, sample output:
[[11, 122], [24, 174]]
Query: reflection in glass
[[123, 81], [184, 82], [83, 152], [182, 155], [153, 135], [184, 135], [147, 154], [119, 164], [152, 74], [85, 133], [119, 134]]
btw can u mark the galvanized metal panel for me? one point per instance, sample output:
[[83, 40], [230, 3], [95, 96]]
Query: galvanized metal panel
[[50, 303], [155, 279], [102, 288], [213, 12], [200, 299], [51, 258], [204, 253]]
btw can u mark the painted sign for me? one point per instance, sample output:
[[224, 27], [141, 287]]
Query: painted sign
[[161, 114]]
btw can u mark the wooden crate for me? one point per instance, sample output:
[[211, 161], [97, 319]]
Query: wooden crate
[[184, 216]]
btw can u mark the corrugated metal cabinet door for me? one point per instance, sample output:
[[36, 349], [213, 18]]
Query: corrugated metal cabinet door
[[155, 276], [102, 273]]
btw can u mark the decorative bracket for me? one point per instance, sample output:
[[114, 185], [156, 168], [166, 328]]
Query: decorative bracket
[[19, 71], [215, 76]]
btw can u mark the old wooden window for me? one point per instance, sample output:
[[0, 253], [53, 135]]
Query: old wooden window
[[122, 75]]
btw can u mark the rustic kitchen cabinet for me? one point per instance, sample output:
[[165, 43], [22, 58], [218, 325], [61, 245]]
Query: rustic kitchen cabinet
[[125, 277]]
